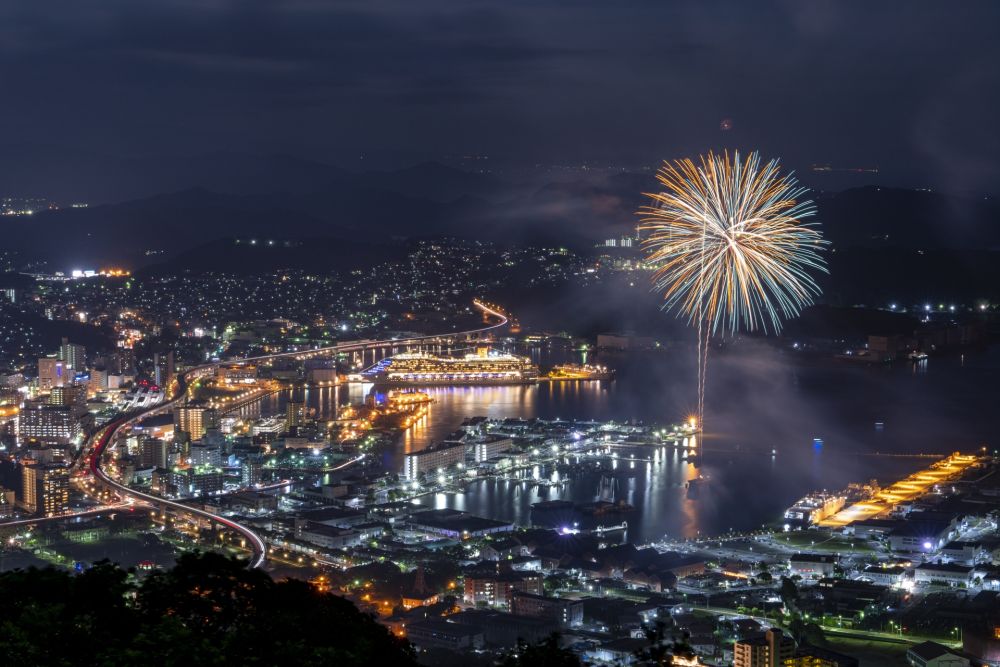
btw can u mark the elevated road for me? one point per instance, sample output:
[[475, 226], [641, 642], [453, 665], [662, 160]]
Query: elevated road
[[101, 441]]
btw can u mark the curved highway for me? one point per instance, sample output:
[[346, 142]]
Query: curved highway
[[102, 439]]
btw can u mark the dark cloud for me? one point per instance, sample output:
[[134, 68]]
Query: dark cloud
[[847, 82]]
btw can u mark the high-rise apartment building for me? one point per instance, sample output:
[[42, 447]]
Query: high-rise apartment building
[[163, 368], [295, 414], [194, 419], [770, 649], [45, 488], [70, 396], [154, 453], [73, 355]]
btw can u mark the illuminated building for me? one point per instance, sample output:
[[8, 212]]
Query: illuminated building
[[163, 368], [193, 419], [196, 481], [153, 453], [472, 369], [771, 649], [73, 355], [808, 565], [204, 454], [326, 537], [70, 396], [951, 574], [45, 488], [295, 414], [43, 423], [428, 461], [236, 373], [920, 536], [250, 469], [457, 525], [267, 429], [6, 503], [52, 372], [490, 447], [98, 379], [567, 613], [620, 242], [499, 589]]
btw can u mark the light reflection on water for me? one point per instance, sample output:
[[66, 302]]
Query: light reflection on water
[[757, 400]]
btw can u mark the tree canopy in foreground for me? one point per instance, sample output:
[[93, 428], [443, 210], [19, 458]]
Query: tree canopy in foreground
[[207, 610]]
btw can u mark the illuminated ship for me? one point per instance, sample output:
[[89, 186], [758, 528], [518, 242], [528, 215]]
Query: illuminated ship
[[483, 367], [815, 507], [581, 372]]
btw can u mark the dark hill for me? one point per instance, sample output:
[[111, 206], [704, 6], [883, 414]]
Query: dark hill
[[882, 217], [240, 256]]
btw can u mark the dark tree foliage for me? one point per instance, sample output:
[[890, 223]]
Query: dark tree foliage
[[789, 593], [546, 653], [207, 610]]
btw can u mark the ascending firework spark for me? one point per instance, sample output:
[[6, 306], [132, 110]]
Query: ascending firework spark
[[729, 246]]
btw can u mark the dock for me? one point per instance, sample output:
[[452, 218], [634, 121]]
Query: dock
[[910, 488]]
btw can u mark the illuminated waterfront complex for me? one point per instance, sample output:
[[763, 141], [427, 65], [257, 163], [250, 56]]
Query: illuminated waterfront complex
[[483, 367]]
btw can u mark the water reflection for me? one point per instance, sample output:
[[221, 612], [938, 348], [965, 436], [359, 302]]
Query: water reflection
[[764, 413]]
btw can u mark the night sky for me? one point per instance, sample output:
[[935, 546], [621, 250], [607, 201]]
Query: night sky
[[910, 87]]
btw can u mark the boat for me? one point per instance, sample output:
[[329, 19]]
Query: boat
[[580, 372], [815, 507], [485, 367], [695, 485]]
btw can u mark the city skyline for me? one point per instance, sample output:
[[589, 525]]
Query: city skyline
[[500, 334]]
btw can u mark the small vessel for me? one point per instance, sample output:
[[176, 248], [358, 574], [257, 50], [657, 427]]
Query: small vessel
[[581, 372], [695, 485], [916, 355]]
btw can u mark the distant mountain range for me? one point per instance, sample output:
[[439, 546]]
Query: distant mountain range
[[181, 209]]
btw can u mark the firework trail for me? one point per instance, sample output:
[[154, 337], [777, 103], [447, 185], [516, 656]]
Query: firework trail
[[730, 249]]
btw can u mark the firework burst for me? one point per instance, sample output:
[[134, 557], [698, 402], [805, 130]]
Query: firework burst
[[730, 249]]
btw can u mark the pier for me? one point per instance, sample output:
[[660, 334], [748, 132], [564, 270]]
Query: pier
[[910, 488]]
